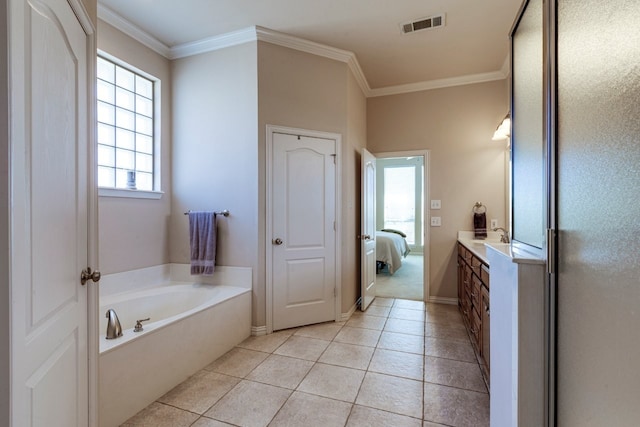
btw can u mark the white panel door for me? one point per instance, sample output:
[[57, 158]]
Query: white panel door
[[303, 220], [49, 145], [368, 230]]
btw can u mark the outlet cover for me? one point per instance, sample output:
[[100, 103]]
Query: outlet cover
[[436, 204], [436, 221], [494, 223]]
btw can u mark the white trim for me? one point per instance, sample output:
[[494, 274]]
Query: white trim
[[426, 208], [438, 84], [346, 316], [258, 331], [272, 129], [443, 300], [112, 18], [129, 194], [210, 44]]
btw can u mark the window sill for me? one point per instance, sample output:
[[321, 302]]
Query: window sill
[[130, 194]]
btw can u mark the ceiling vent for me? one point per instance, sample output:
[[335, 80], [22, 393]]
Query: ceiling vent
[[422, 24]]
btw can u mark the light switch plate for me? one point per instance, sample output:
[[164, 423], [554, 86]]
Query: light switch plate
[[494, 223], [436, 204], [436, 221]]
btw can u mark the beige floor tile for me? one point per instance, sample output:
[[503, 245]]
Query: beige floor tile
[[304, 409], [266, 343], [397, 363], [447, 332], [361, 416], [430, 424], [377, 310], [347, 355], [405, 326], [402, 342], [453, 319], [393, 394], [367, 322], [303, 348], [455, 407], [410, 304], [200, 391], [453, 373], [249, 404], [443, 308], [383, 302], [281, 371], [208, 422], [447, 349], [237, 362], [407, 314], [322, 331], [358, 336], [334, 382], [159, 415]]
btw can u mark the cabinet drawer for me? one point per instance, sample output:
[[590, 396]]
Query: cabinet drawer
[[461, 250], [476, 289], [476, 333], [484, 275], [476, 265]]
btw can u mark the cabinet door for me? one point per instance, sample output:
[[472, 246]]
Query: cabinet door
[[485, 319]]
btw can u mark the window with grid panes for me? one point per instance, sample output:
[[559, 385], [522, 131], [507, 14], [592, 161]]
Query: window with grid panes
[[125, 128]]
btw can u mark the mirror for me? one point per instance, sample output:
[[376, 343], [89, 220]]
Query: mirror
[[527, 153]]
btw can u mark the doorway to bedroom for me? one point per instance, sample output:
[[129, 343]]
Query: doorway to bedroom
[[400, 235]]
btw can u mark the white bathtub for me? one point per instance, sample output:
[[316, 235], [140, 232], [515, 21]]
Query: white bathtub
[[191, 325]]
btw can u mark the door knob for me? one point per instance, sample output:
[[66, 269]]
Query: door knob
[[277, 241], [365, 237], [87, 275]]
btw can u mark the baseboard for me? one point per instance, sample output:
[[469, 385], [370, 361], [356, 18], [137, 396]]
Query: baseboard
[[346, 316], [258, 331], [442, 300]]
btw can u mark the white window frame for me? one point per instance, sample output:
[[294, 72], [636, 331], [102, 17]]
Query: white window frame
[[157, 192]]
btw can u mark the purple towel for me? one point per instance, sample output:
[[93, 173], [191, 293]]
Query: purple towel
[[480, 225], [202, 233]]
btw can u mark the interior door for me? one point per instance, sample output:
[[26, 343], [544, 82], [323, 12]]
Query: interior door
[[368, 230], [49, 145], [303, 195]]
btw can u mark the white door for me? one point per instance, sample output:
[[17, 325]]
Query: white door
[[368, 230], [49, 146], [303, 194]]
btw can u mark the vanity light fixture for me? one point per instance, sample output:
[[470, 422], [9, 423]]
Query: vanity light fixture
[[503, 131]]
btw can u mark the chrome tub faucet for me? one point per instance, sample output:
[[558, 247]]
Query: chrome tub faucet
[[114, 330]]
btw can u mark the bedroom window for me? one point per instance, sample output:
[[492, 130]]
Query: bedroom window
[[126, 137], [400, 200]]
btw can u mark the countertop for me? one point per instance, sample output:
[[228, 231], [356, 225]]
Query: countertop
[[518, 254]]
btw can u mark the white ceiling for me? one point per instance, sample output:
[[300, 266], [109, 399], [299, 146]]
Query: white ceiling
[[474, 43]]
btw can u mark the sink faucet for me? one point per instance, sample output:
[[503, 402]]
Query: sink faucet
[[505, 236], [114, 330]]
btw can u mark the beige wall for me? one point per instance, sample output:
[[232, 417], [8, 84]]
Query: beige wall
[[301, 90], [456, 125], [215, 153], [134, 233]]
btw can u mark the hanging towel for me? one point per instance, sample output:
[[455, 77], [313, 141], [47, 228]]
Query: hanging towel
[[202, 233], [480, 225]]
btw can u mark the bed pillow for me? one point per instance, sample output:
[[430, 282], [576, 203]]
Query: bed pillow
[[391, 230]]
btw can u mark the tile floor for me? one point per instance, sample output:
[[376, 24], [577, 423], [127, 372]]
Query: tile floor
[[402, 363]]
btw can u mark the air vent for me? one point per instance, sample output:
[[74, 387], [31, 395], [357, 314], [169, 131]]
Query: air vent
[[422, 24]]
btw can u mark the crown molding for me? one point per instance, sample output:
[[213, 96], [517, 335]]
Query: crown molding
[[254, 33], [438, 84], [133, 31], [210, 44]]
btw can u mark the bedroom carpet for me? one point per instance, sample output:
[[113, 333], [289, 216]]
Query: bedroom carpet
[[405, 283]]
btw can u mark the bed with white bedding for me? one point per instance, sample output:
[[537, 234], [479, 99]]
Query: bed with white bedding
[[391, 247]]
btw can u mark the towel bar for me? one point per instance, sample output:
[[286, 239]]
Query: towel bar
[[223, 213]]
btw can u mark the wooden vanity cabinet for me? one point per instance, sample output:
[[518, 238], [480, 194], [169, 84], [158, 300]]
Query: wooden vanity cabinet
[[473, 303]]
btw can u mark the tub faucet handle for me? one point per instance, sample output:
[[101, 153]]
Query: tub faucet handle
[[138, 327]]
